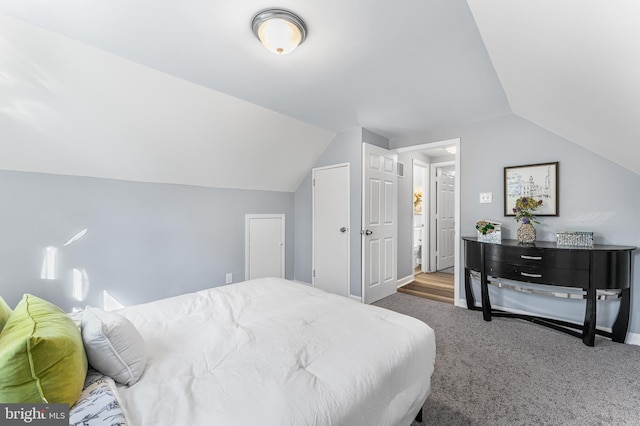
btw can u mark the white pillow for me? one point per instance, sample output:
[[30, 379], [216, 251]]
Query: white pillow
[[113, 345]]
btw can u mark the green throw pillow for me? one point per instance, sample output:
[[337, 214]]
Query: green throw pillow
[[42, 358], [5, 313]]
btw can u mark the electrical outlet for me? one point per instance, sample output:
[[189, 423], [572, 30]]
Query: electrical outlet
[[229, 278], [486, 198]]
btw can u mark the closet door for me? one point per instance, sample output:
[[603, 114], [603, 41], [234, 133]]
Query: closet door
[[331, 232], [264, 246]]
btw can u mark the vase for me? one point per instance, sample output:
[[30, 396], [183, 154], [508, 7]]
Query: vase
[[526, 233]]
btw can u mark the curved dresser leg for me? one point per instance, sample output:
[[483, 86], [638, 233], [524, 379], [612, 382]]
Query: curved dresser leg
[[471, 302], [486, 302], [589, 328], [620, 326]]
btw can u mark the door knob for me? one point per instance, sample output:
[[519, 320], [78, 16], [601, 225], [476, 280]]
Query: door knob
[[343, 229], [366, 232]]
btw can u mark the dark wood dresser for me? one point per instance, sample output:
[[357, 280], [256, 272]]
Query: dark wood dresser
[[593, 270]]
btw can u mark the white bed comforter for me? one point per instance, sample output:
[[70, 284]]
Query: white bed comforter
[[275, 352]]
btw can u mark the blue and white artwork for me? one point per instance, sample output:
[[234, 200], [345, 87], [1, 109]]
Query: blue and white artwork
[[538, 181]]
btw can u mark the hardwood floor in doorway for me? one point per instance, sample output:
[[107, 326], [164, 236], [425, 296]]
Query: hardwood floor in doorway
[[435, 286]]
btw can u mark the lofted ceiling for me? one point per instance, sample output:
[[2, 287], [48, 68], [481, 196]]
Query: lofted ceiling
[[572, 67], [182, 92]]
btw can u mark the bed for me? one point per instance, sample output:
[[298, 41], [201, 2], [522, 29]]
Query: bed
[[266, 351]]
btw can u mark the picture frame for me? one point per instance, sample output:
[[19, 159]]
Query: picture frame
[[539, 181]]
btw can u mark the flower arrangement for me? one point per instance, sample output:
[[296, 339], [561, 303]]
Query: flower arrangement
[[525, 206]]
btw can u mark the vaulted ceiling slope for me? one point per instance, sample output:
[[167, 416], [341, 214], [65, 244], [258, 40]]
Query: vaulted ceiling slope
[[393, 70], [389, 67], [68, 108], [183, 92], [572, 67]]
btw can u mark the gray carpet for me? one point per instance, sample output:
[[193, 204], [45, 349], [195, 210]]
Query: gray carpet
[[511, 372]]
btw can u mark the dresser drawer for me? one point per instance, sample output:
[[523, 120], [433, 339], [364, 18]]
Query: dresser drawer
[[538, 274], [532, 256]]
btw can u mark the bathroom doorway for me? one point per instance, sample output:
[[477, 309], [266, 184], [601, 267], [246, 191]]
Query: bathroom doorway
[[433, 274], [420, 217]]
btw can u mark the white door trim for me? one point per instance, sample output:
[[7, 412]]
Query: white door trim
[[313, 209], [449, 142], [247, 220]]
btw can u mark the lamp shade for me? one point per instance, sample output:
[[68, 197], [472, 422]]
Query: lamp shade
[[279, 30]]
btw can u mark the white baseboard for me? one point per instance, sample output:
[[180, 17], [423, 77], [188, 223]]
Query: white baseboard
[[631, 339], [462, 303], [406, 280]]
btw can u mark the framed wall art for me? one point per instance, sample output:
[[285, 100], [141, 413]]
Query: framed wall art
[[539, 181]]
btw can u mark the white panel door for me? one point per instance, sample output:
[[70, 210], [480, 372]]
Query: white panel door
[[379, 234], [445, 226], [265, 248], [331, 229]]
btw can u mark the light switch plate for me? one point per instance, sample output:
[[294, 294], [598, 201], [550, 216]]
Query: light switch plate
[[486, 197]]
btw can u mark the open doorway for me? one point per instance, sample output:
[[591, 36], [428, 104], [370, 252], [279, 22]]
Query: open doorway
[[420, 235], [434, 224]]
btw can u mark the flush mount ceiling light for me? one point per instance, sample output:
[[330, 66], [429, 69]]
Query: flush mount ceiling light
[[279, 30]]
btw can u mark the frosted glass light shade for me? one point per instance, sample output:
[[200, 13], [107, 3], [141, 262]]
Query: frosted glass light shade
[[280, 31]]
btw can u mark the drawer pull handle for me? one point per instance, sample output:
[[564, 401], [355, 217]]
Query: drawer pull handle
[[524, 274], [524, 256]]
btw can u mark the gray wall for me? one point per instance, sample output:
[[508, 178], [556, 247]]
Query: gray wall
[[595, 195], [144, 241], [346, 147], [148, 241], [374, 139]]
